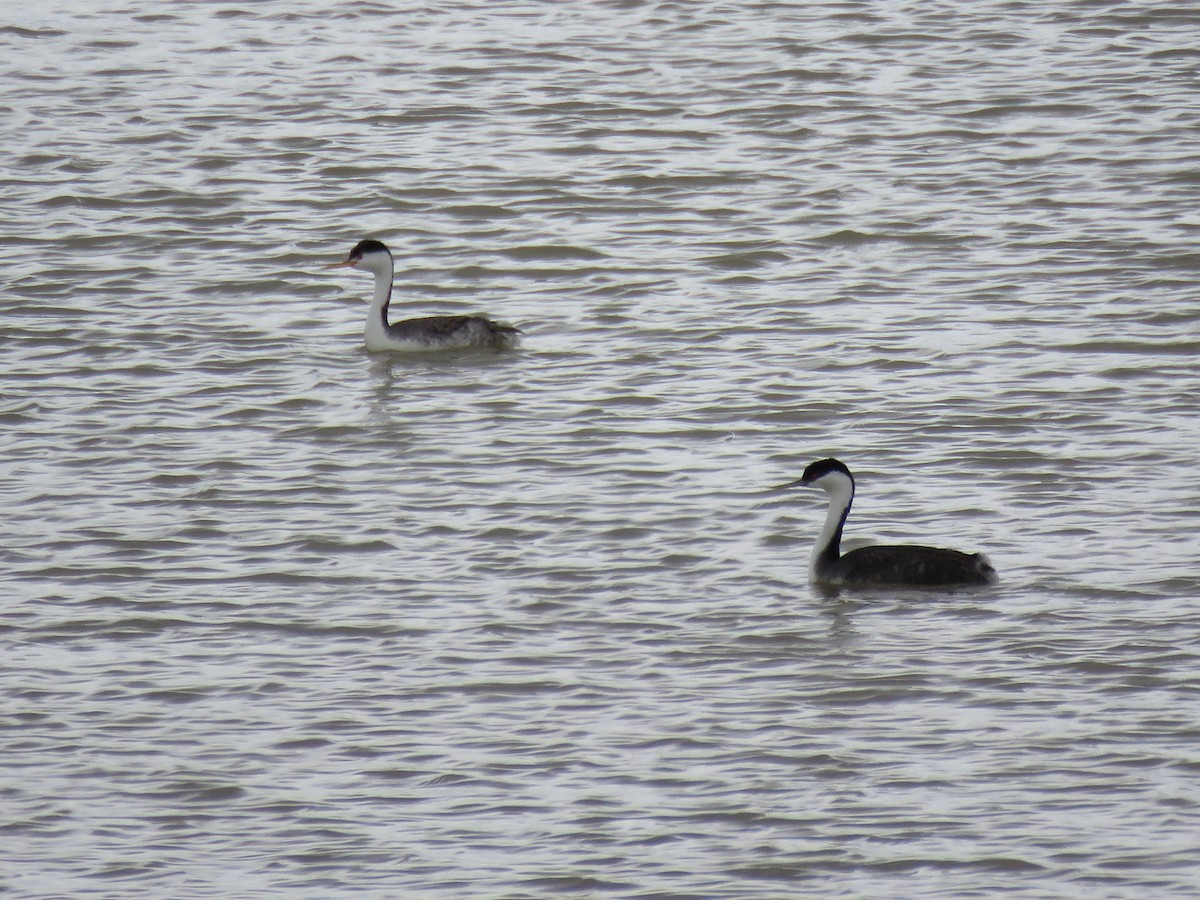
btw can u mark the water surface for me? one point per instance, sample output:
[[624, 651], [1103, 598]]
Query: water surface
[[285, 618]]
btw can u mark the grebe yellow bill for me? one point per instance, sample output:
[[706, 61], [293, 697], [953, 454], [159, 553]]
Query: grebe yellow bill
[[418, 335], [896, 565]]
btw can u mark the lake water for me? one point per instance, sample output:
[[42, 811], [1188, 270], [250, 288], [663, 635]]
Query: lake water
[[285, 618]]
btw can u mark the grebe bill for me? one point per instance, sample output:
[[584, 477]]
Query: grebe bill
[[899, 565], [417, 335]]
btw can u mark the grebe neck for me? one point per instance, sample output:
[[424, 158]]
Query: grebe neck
[[377, 318], [383, 294], [827, 550]]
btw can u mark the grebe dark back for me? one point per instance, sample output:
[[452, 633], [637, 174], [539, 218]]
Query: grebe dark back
[[414, 335], [903, 564]]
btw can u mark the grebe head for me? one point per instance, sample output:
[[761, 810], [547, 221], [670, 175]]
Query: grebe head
[[830, 475], [370, 255]]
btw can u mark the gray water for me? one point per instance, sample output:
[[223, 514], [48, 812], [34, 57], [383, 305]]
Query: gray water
[[285, 618]]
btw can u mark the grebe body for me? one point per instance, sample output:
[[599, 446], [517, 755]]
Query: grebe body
[[424, 334], [896, 565]]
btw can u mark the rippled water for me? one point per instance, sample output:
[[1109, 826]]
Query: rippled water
[[285, 618]]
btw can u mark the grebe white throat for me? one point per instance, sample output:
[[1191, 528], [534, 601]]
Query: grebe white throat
[[378, 263], [840, 488]]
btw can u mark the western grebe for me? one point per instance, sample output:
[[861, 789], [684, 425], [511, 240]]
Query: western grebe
[[429, 333], [880, 565]]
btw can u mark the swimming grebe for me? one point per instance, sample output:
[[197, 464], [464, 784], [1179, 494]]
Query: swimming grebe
[[428, 333], [880, 565]]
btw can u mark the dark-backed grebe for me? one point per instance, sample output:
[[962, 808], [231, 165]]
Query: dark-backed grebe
[[882, 564], [416, 335]]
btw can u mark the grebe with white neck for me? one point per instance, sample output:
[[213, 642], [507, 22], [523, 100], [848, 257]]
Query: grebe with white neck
[[897, 565], [415, 335]]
